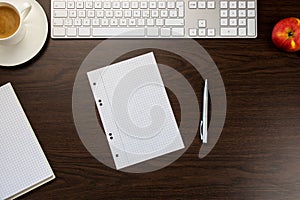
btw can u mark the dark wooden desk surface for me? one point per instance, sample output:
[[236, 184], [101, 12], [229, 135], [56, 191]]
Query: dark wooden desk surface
[[256, 157]]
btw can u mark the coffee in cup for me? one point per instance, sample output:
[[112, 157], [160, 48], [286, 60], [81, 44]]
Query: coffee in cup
[[9, 21], [12, 17]]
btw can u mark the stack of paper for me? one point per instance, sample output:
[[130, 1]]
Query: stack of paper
[[23, 165]]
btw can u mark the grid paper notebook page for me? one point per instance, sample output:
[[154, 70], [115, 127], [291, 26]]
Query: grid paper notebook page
[[135, 110], [23, 165]]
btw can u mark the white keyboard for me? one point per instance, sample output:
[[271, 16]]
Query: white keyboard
[[153, 19]]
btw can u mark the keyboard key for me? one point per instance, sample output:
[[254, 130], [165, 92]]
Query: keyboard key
[[86, 22], [174, 22], [125, 4], [242, 4], [233, 22], [100, 13], [178, 31], [114, 22], [104, 22], [173, 13], [201, 4], [232, 13], [106, 4], [123, 22], [109, 13], [116, 4], [98, 4], [59, 31], [232, 4], [81, 13], [210, 4], [127, 13], [192, 32], [72, 13], [164, 13], [60, 13], [202, 32], [96, 22], [165, 32], [180, 12], [162, 4], [134, 5], [242, 22], [71, 4], [150, 22], [242, 32], [251, 4], [152, 31], [251, 27], [159, 22], [141, 22], [223, 13], [91, 13], [77, 22], [192, 4], [88, 4], [144, 4], [251, 13], [171, 4], [118, 13], [152, 4], [86, 31], [211, 32], [121, 32], [224, 4], [71, 32], [224, 22], [131, 22], [58, 22], [242, 13], [201, 23], [136, 13], [79, 4], [68, 22], [180, 6], [229, 31], [59, 4]]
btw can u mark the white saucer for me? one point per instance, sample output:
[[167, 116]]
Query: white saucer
[[37, 30]]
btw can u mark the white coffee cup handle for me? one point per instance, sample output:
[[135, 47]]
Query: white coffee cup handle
[[25, 10]]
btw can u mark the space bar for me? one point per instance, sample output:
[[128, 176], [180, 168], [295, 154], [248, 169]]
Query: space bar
[[118, 32]]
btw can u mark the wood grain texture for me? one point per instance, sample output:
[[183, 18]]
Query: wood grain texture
[[256, 157]]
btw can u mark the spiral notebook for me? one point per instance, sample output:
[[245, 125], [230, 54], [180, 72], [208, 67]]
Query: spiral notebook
[[23, 165], [135, 110]]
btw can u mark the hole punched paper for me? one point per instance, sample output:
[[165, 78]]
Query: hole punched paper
[[23, 165], [135, 110]]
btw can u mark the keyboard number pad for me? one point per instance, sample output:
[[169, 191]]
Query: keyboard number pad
[[237, 18]]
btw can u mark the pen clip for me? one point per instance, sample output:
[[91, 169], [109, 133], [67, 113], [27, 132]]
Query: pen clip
[[201, 130]]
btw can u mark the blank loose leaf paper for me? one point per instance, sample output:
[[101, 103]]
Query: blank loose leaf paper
[[23, 165], [135, 110]]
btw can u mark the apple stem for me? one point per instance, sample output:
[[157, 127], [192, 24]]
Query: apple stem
[[290, 34]]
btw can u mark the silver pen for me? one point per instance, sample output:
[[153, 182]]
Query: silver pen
[[203, 124]]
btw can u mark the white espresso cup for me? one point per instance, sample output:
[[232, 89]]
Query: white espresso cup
[[12, 16]]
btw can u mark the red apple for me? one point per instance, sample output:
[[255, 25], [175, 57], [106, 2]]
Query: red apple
[[286, 34]]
